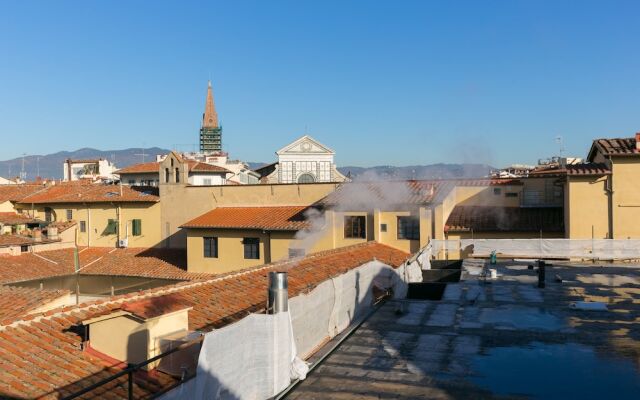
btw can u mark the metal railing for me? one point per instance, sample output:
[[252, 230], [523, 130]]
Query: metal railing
[[131, 369]]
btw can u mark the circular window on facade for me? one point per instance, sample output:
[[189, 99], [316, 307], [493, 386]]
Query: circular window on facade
[[306, 178]]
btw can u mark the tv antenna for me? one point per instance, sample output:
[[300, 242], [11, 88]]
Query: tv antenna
[[23, 173], [560, 142], [142, 154]]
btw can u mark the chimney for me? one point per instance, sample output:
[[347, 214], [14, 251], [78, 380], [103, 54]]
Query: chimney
[[37, 235], [278, 293], [638, 141], [52, 232]]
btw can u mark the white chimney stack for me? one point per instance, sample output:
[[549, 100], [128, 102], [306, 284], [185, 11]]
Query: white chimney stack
[[638, 141]]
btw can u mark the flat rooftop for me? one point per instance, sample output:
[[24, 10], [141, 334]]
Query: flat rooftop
[[501, 338]]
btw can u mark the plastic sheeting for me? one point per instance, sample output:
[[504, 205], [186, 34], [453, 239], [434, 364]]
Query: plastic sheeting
[[255, 358], [597, 249]]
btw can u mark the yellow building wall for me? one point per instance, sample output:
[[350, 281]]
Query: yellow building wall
[[274, 246], [586, 208], [7, 206], [486, 196], [626, 197], [201, 199], [129, 339], [97, 215]]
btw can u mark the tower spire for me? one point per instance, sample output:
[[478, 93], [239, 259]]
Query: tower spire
[[210, 117]]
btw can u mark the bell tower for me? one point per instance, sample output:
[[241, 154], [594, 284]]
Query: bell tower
[[210, 130]]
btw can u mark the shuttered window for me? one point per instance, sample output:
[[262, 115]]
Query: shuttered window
[[210, 247], [136, 227]]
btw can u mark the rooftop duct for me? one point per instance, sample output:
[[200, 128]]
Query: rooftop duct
[[278, 293]]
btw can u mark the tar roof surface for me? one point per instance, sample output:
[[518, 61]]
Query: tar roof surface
[[502, 339]]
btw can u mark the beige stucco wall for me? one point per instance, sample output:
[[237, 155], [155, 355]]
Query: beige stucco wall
[[626, 197], [129, 339], [97, 215], [6, 206], [201, 199], [586, 208], [274, 246]]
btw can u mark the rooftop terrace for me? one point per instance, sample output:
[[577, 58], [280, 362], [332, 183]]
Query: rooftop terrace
[[502, 338]]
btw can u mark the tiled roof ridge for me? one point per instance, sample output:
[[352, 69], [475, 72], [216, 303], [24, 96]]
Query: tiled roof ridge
[[141, 295]]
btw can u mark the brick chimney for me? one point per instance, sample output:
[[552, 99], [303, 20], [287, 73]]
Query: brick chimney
[[638, 141]]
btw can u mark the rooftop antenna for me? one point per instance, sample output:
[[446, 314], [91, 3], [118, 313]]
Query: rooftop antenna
[[141, 154], [560, 142], [38, 166], [23, 174]]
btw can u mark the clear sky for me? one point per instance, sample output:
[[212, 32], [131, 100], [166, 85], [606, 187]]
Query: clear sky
[[393, 82]]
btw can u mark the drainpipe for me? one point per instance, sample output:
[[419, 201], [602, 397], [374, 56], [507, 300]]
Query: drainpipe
[[609, 190], [118, 225]]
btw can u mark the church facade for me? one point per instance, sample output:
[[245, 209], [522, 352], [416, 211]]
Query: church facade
[[303, 161]]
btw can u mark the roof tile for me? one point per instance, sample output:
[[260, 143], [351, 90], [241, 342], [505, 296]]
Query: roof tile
[[283, 218]]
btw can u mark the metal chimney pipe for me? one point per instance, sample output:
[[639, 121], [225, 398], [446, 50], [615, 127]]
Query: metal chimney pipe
[[278, 293]]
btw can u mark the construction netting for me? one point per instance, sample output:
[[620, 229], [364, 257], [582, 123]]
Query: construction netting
[[259, 356], [586, 249]]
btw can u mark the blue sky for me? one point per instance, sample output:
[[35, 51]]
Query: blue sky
[[393, 82]]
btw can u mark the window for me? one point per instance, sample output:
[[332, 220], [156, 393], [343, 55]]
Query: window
[[497, 191], [251, 248], [166, 175], [112, 227], [136, 227], [24, 248], [293, 253], [210, 247], [355, 226], [69, 215], [132, 182], [383, 227], [206, 181], [172, 162], [511, 194], [48, 214], [306, 178], [83, 226], [177, 175], [408, 228]]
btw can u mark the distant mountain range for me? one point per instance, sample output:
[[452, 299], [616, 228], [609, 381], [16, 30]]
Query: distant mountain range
[[50, 165]]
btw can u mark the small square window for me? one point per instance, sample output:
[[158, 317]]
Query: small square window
[[383, 227], [355, 227], [24, 248], [408, 228], [251, 248], [69, 215], [294, 253], [511, 194], [497, 191], [210, 247], [136, 227]]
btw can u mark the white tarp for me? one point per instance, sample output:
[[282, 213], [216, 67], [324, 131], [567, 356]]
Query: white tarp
[[255, 358], [603, 249]]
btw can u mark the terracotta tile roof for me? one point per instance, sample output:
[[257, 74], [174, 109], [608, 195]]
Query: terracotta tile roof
[[151, 263], [17, 302], [614, 147], [279, 218], [586, 169], [197, 166], [12, 218], [364, 195], [505, 219], [62, 225], [152, 307], [95, 193], [17, 192], [15, 240], [142, 168], [44, 350]]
